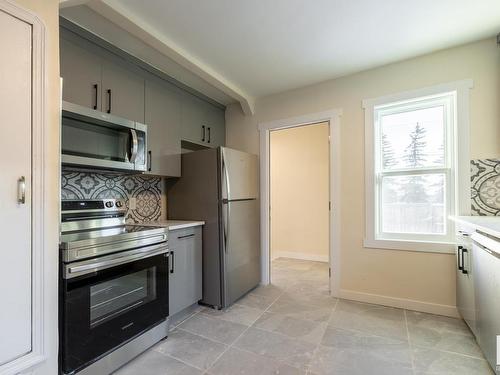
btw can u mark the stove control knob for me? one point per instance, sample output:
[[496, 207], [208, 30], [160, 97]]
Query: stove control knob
[[119, 204], [109, 204]]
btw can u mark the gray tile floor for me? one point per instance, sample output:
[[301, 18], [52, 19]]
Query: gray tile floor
[[295, 327]]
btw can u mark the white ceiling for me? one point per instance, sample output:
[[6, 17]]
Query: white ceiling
[[263, 47]]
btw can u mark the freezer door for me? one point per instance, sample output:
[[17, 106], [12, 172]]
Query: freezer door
[[241, 248], [240, 179]]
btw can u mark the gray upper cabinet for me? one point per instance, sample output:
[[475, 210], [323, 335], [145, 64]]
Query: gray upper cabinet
[[102, 79], [215, 120], [202, 122], [192, 119], [122, 92], [163, 116], [98, 83], [82, 75], [185, 275]]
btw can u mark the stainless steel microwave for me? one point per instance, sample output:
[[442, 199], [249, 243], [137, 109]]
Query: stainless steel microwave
[[97, 140]]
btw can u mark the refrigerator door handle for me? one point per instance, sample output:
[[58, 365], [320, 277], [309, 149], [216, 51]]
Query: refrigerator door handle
[[226, 214], [225, 177]]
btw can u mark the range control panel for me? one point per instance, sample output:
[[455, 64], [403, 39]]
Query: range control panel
[[93, 204]]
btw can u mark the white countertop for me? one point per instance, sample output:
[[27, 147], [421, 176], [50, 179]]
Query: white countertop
[[175, 224], [486, 224]]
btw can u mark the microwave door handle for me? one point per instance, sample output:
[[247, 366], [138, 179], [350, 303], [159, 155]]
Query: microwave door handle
[[134, 145]]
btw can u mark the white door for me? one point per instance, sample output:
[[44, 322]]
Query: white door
[[15, 163]]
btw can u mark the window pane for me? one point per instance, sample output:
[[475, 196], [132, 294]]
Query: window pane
[[413, 138], [413, 204]]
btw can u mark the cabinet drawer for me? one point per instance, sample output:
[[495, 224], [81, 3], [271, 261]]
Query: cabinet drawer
[[178, 236]]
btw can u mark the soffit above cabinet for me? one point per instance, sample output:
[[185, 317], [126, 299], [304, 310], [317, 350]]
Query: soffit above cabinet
[[103, 28]]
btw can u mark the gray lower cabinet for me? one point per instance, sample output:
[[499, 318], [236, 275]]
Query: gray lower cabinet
[[185, 274], [163, 117], [202, 122]]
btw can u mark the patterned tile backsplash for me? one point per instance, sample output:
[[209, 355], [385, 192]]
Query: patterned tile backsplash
[[148, 191], [485, 193]]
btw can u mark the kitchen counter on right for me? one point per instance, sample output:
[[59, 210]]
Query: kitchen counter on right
[[478, 279], [486, 224]]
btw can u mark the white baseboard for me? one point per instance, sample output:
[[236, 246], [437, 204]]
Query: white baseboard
[[403, 303], [301, 256]]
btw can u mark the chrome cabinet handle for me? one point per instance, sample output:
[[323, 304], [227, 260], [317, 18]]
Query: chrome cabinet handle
[[135, 146], [464, 271], [209, 137], [459, 258], [186, 236], [203, 133], [172, 264], [21, 192]]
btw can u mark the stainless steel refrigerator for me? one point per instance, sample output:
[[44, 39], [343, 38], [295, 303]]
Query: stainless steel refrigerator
[[220, 186]]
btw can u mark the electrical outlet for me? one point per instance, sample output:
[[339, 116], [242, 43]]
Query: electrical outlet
[[132, 203]]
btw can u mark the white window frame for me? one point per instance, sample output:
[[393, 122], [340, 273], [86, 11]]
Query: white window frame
[[455, 96]]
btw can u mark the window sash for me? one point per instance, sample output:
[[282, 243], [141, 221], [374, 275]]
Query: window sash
[[447, 100], [444, 237]]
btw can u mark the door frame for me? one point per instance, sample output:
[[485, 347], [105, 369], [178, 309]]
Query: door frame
[[333, 118]]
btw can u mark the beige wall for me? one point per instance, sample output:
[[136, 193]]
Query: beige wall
[[299, 161], [423, 277], [48, 12]]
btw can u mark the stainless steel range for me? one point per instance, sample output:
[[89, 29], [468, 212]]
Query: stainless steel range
[[114, 286]]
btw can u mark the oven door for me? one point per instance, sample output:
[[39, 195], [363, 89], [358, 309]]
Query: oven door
[[103, 309]]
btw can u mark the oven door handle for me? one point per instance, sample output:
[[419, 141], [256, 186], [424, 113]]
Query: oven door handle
[[76, 270]]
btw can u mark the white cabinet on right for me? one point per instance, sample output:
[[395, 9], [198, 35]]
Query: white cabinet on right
[[486, 290]]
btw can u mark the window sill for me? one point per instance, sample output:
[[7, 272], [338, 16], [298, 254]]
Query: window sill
[[420, 246]]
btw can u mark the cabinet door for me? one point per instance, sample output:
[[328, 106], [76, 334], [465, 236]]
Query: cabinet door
[[185, 283], [215, 119], [81, 73], [163, 117], [15, 216], [122, 92], [193, 118], [465, 284], [486, 286]]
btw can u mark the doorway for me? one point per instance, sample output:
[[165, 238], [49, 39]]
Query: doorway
[[299, 205], [331, 263]]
